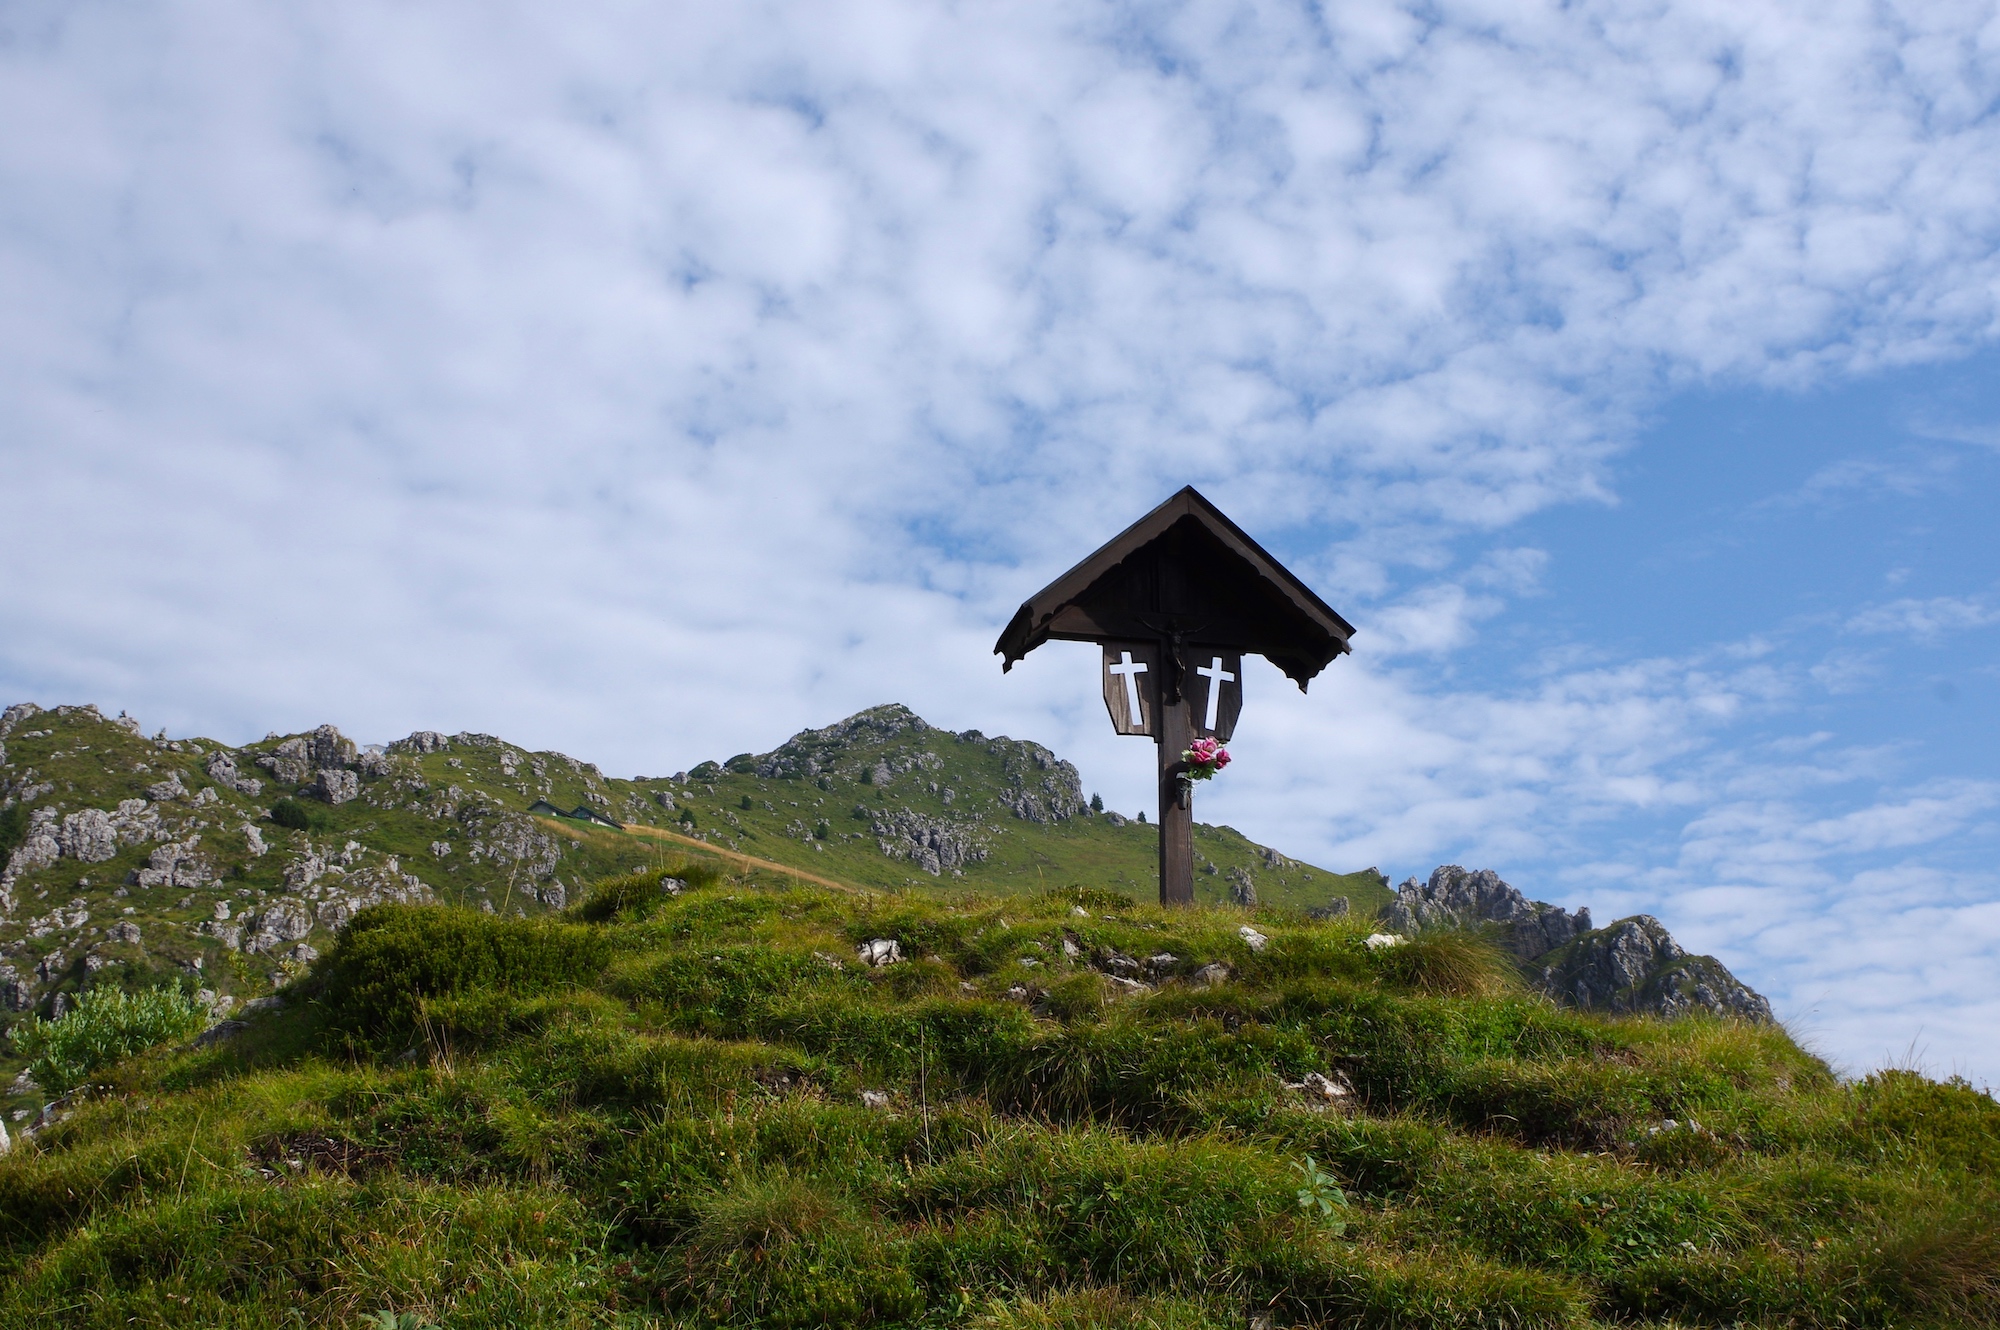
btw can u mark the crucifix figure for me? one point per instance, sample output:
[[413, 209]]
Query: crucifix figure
[[1131, 670], [1216, 676], [1181, 585]]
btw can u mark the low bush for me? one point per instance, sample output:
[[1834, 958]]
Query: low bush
[[391, 958], [292, 815], [106, 1026]]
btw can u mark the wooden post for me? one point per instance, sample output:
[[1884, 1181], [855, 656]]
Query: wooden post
[[1176, 803]]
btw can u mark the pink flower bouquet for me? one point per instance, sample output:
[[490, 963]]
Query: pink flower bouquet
[[1204, 758]]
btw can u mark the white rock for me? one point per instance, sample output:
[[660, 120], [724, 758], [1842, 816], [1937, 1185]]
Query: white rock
[[1208, 976], [875, 1099], [880, 951], [88, 835], [1377, 941], [1252, 939]]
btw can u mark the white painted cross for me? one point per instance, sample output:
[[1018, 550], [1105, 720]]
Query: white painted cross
[[1216, 676], [1131, 670]]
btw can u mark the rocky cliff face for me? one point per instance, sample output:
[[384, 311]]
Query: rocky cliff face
[[1633, 965]]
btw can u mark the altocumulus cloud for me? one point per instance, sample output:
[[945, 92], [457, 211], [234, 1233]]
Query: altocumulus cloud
[[651, 380]]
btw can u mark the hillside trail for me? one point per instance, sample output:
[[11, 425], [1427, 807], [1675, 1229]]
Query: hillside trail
[[746, 860]]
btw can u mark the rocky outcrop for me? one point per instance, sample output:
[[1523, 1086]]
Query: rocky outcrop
[[1636, 966], [298, 758], [87, 835], [932, 844], [41, 848], [1455, 898], [810, 752], [1046, 789], [221, 768], [173, 865], [1631, 966], [336, 786]]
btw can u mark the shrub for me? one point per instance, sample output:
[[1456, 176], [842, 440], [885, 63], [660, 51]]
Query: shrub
[[106, 1024], [295, 816], [13, 830], [636, 895], [392, 957]]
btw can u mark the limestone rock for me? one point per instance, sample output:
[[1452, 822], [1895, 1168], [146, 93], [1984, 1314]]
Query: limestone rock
[[221, 768], [173, 865], [1333, 909], [41, 848], [220, 1032], [16, 993], [1242, 891], [880, 951], [327, 748], [277, 926], [288, 761], [253, 840], [336, 786], [1252, 939], [170, 788], [1455, 898], [88, 835], [1634, 965], [932, 844], [421, 741]]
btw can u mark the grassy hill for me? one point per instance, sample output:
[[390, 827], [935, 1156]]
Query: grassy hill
[[1054, 1110], [139, 859]]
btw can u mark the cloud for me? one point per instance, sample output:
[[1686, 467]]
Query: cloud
[[1926, 620]]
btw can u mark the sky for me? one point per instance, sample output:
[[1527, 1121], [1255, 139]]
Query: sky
[[652, 381]]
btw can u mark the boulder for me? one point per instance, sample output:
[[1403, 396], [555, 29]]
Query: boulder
[[41, 848], [880, 951], [89, 836], [219, 1032], [336, 786], [170, 788]]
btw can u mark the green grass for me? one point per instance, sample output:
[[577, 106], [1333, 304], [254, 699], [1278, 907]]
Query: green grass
[[702, 1110]]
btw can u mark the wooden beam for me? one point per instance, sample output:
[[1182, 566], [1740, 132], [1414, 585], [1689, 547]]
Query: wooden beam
[[1176, 804]]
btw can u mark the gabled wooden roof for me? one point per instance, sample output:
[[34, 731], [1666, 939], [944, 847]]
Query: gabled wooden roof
[[1184, 569]]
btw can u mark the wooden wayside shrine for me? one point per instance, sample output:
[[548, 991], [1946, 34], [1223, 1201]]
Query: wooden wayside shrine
[[1176, 601]]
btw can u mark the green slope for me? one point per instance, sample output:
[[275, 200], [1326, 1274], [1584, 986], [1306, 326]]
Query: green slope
[[446, 819], [704, 1110]]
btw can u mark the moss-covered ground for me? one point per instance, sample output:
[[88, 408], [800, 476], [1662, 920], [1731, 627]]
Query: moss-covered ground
[[704, 1110]]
